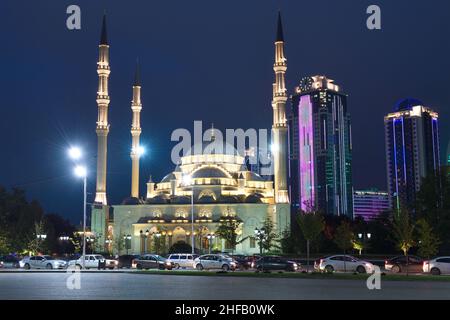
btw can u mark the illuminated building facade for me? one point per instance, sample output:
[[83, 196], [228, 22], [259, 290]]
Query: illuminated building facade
[[412, 149], [210, 184], [320, 148], [369, 204]]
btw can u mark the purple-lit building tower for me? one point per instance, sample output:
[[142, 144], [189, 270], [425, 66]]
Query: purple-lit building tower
[[412, 149], [320, 163], [369, 204]]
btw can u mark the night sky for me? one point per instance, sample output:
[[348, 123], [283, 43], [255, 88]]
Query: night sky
[[200, 60]]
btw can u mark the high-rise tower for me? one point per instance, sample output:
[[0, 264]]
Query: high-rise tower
[[412, 150], [102, 130], [136, 107], [279, 127], [320, 148]]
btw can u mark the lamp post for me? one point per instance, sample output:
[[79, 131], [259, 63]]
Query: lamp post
[[40, 237], [210, 238], [187, 179], [127, 239], [364, 237], [260, 235], [157, 243], [146, 240], [80, 171], [63, 239], [90, 241], [108, 244]]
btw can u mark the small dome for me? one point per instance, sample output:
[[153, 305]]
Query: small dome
[[131, 201], [209, 172], [206, 199], [254, 198], [407, 104], [168, 177], [159, 199], [229, 199], [180, 200]]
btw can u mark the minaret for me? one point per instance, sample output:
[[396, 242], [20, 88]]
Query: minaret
[[102, 122], [136, 107], [279, 127]]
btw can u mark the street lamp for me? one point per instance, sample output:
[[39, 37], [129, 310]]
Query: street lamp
[[80, 171], [157, 235], [260, 235], [40, 237], [187, 180], [210, 238], [364, 237], [144, 236], [75, 153], [108, 244], [127, 239]]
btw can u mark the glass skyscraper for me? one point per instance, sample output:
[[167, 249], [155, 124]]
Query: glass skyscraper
[[412, 149], [369, 204], [320, 163]]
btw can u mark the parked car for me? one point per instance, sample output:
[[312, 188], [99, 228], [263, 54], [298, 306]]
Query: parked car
[[182, 260], [437, 266], [215, 261], [43, 262], [153, 261], [345, 263], [398, 264], [126, 261], [9, 261], [96, 261], [275, 263], [243, 262]]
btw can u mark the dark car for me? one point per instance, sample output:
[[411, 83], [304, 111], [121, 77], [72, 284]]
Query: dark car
[[275, 263], [243, 262], [398, 264], [152, 261], [9, 262], [126, 261]]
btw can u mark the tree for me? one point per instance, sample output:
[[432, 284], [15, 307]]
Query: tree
[[228, 230], [344, 237], [433, 204], [403, 231], [270, 236], [428, 241], [311, 225]]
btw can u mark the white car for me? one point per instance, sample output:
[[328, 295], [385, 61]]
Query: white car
[[214, 261], [345, 263], [42, 262], [182, 260], [94, 261], [437, 266]]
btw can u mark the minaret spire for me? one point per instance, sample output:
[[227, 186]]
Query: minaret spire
[[103, 71], [279, 127], [136, 107]]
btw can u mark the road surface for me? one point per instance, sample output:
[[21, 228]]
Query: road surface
[[25, 285]]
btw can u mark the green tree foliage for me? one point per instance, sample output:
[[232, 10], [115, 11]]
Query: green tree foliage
[[228, 230], [433, 205], [343, 237], [428, 241], [272, 238], [403, 230], [20, 220]]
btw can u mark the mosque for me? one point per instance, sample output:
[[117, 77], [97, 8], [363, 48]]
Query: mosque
[[204, 190]]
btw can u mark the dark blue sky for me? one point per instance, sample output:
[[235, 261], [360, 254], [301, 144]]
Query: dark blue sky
[[201, 60]]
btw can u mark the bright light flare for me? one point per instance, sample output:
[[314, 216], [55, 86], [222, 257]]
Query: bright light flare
[[187, 179], [80, 171], [75, 153]]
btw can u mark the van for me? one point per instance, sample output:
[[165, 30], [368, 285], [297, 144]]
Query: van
[[182, 260]]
